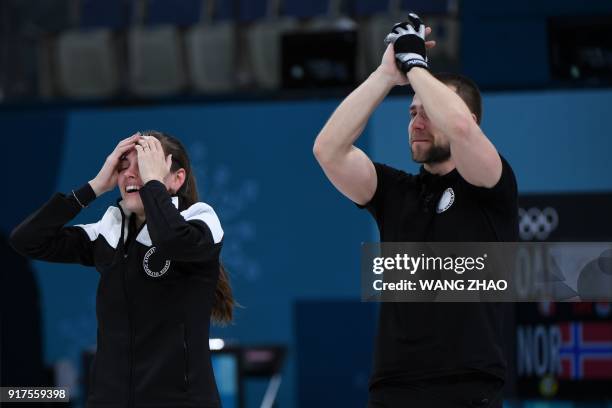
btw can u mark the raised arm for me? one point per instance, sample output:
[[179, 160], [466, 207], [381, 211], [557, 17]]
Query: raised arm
[[43, 235], [348, 168], [473, 153], [194, 235]]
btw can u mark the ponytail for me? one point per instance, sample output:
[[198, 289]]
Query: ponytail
[[223, 308]]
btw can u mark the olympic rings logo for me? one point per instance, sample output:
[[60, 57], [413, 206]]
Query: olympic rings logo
[[536, 224]]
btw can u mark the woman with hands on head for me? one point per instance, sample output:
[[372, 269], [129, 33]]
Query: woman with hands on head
[[161, 280]]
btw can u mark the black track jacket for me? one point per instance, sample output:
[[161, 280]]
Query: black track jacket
[[154, 297]]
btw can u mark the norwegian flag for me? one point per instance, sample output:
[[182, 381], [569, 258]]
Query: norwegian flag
[[586, 350]]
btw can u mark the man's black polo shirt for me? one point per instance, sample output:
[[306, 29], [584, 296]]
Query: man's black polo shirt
[[424, 340]]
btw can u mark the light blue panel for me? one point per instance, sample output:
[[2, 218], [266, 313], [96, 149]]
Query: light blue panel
[[289, 233], [226, 368], [556, 141]]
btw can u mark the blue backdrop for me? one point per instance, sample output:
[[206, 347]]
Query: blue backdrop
[[556, 141], [289, 235], [255, 167]]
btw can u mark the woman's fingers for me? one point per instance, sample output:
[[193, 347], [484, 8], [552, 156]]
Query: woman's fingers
[[121, 150], [126, 148], [143, 144], [145, 141], [128, 140], [158, 146], [106, 179], [152, 163], [151, 143]]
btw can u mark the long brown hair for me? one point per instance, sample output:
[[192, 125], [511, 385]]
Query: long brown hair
[[223, 306]]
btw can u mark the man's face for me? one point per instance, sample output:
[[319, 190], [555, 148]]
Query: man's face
[[427, 144], [129, 182]]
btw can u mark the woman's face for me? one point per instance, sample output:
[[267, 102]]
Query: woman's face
[[129, 182]]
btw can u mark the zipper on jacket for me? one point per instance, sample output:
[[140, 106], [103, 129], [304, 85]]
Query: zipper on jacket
[[129, 313], [186, 356], [131, 352]]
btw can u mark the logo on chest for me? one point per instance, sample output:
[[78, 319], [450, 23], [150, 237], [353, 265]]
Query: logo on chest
[[152, 268], [446, 201]]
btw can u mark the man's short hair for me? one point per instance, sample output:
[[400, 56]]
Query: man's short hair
[[466, 89]]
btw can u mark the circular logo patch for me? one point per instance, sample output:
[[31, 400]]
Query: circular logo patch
[[448, 198], [147, 266]]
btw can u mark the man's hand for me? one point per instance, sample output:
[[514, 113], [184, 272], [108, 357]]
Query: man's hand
[[408, 39], [152, 164], [388, 69], [106, 179]]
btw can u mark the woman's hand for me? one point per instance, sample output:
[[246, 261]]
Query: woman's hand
[[106, 180], [152, 164]]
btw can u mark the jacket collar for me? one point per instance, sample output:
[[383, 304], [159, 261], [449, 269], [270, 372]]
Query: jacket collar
[[127, 213]]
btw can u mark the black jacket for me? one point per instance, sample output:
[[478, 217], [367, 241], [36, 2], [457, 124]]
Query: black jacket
[[154, 297]]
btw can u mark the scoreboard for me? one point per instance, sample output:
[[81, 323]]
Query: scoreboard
[[564, 350]]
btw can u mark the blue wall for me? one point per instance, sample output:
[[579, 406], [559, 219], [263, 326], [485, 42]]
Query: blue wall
[[255, 167], [556, 141], [506, 43], [289, 235]]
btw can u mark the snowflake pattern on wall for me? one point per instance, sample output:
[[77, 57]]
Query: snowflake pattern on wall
[[230, 199]]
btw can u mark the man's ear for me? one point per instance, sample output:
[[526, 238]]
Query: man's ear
[[474, 117]]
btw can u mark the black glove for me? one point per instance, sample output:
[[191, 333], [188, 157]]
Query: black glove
[[408, 40]]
